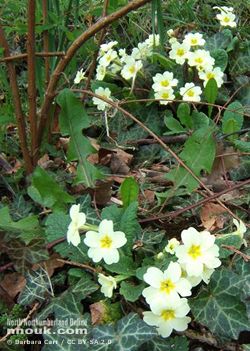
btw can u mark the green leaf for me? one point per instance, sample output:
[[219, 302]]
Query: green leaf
[[130, 291], [130, 226], [165, 62], [85, 286], [211, 92], [179, 343], [73, 119], [129, 191], [26, 229], [125, 266], [240, 63], [45, 190], [200, 120], [221, 298], [173, 125], [221, 58], [242, 145], [37, 285], [230, 240], [232, 120], [126, 335], [183, 113], [198, 154], [220, 40]]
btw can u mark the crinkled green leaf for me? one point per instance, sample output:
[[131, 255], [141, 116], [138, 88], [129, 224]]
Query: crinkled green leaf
[[125, 266], [130, 291], [221, 58], [126, 335], [220, 40], [218, 306], [73, 119], [240, 63], [232, 120], [45, 190]]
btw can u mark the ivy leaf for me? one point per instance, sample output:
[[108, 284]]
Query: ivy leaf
[[126, 335], [130, 291], [23, 255], [221, 298], [72, 120], [129, 191], [198, 154], [211, 92], [241, 61], [221, 58], [85, 286], [179, 343], [230, 240], [45, 190], [37, 285]]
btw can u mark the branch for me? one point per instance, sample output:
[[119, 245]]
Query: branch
[[17, 104], [39, 54], [32, 73], [46, 41], [90, 32]]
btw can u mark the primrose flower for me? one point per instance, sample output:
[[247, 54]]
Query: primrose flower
[[101, 105], [193, 280], [131, 68], [108, 284], [172, 245], [165, 285], [179, 52], [170, 32], [114, 68], [215, 73], [167, 315], [100, 72], [123, 55], [164, 81], [241, 229], [191, 92], [165, 94], [197, 252], [194, 39], [104, 243], [80, 75], [107, 58], [78, 219], [153, 40], [201, 59], [106, 47], [226, 16]]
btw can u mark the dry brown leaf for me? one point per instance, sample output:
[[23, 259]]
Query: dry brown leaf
[[13, 283], [148, 196], [97, 311], [212, 216], [50, 265]]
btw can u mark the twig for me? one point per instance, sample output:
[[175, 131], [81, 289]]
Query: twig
[[165, 146], [197, 204], [167, 139], [76, 264], [6, 266], [90, 32], [17, 104], [24, 320], [93, 63], [39, 54], [46, 41], [245, 257], [32, 74]]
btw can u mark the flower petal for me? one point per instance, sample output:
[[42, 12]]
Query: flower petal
[[183, 286], [194, 268], [119, 239], [153, 277], [150, 318], [81, 219], [73, 237], [190, 236], [74, 210], [180, 324], [92, 239], [173, 272], [111, 256], [95, 254], [106, 227]]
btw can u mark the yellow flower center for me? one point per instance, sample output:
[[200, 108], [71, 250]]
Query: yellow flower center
[[132, 69], [194, 41], [106, 242], [109, 58], [167, 286], [190, 93], [180, 52], [165, 95], [164, 83], [195, 251], [199, 60], [210, 75], [226, 19], [168, 315]]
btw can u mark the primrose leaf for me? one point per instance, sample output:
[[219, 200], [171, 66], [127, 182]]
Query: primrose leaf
[[129, 191]]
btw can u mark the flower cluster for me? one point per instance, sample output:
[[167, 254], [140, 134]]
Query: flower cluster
[[191, 53], [166, 295], [226, 16]]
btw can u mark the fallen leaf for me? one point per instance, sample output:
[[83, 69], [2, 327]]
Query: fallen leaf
[[97, 311], [50, 265], [212, 216], [13, 283]]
